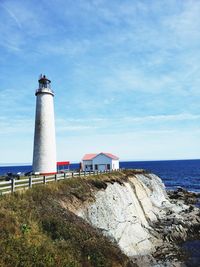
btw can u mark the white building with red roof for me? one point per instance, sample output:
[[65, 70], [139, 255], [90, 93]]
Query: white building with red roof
[[100, 162]]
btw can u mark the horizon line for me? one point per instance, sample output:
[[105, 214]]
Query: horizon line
[[122, 160]]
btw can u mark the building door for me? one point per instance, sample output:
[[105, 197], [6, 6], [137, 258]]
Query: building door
[[102, 167]]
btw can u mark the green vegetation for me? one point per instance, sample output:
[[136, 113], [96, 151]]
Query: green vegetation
[[35, 230]]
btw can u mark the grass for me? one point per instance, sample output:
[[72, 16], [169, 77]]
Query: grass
[[36, 231]]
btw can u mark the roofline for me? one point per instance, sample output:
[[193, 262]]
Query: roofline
[[103, 153], [89, 154], [108, 156]]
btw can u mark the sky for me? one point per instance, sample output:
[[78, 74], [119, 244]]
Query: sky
[[126, 76]]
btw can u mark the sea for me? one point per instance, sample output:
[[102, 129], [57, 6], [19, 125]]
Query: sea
[[174, 173]]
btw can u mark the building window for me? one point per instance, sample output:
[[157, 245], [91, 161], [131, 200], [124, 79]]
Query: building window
[[108, 166], [88, 167], [96, 167]]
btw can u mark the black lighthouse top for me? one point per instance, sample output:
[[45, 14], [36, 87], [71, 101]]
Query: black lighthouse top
[[44, 86], [44, 82]]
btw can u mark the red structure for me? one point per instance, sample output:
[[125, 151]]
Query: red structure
[[62, 166]]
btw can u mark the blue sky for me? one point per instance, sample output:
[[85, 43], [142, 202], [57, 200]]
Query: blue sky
[[126, 76]]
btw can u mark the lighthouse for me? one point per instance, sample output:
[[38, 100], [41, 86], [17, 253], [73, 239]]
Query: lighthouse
[[44, 151]]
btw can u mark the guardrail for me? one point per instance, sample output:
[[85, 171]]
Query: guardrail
[[14, 185]]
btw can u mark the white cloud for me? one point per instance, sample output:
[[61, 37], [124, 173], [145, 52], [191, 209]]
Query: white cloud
[[163, 118], [185, 25], [144, 145], [16, 125], [91, 126], [12, 15], [66, 47]]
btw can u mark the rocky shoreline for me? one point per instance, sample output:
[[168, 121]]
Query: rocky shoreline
[[182, 223], [148, 223]]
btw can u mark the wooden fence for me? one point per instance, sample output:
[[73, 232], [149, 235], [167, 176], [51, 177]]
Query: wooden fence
[[14, 185]]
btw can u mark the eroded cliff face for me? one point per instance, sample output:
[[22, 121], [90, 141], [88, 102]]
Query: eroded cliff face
[[124, 212], [134, 210]]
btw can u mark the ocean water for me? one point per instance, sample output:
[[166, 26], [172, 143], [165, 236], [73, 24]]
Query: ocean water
[[174, 173], [192, 248]]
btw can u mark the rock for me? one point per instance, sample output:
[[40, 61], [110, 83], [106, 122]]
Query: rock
[[143, 219], [123, 212], [117, 211]]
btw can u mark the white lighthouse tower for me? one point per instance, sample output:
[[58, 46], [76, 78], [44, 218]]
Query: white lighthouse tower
[[44, 154]]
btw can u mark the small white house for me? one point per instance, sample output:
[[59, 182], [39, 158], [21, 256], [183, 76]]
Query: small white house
[[100, 162]]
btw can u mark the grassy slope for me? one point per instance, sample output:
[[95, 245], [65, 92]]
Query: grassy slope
[[36, 231]]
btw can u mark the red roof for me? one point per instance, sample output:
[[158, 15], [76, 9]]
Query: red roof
[[61, 163], [110, 155], [91, 156]]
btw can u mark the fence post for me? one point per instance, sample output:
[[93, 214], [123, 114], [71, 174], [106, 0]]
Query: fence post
[[84, 173], [97, 172], [72, 174], [56, 177], [13, 185], [64, 175], [79, 173], [44, 179], [30, 181]]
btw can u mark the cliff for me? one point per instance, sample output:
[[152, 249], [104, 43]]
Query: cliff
[[124, 211], [120, 219], [133, 209]]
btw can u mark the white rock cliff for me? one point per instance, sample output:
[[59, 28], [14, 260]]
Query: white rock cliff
[[124, 212]]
